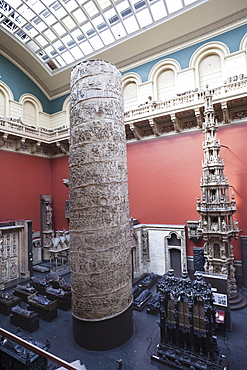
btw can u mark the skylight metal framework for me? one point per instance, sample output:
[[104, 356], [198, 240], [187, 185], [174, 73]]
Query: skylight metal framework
[[62, 32]]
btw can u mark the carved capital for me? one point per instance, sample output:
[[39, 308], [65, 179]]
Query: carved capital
[[19, 143], [35, 146], [225, 111], [3, 138], [136, 131], [176, 122], [155, 127], [62, 147], [198, 115]]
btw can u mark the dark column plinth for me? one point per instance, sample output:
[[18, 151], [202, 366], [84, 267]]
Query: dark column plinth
[[244, 259], [104, 334], [198, 259]]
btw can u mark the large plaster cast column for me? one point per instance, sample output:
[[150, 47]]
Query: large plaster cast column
[[101, 273]]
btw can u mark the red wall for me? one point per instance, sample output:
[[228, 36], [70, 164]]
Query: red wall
[[22, 179], [164, 181], [60, 193], [164, 177]]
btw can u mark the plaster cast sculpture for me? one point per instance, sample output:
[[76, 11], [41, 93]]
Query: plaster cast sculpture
[[99, 207]]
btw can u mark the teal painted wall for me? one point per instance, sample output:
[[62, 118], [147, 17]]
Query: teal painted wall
[[231, 38], [19, 83]]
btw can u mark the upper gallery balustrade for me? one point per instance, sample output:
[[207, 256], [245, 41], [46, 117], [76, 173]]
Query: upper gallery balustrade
[[152, 119]]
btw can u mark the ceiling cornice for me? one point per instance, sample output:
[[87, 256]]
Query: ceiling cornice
[[199, 24], [202, 34]]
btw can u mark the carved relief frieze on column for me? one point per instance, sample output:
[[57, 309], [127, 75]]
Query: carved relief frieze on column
[[101, 270], [225, 112]]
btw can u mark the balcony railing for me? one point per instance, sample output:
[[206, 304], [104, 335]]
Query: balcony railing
[[233, 88]]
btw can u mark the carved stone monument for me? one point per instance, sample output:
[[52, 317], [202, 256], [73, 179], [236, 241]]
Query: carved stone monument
[[217, 225], [14, 252], [187, 324], [100, 236], [198, 259], [46, 225]]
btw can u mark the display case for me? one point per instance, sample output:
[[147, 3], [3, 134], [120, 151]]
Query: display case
[[7, 301], [25, 319], [58, 282], [46, 308], [39, 284], [62, 297], [140, 302], [148, 281], [153, 304], [54, 281], [136, 290], [23, 291]]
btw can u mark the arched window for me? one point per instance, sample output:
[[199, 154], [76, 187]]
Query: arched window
[[166, 85], [6, 97], [31, 107], [66, 109], [2, 104], [130, 87], [163, 76], [130, 96], [29, 113], [210, 71], [208, 62]]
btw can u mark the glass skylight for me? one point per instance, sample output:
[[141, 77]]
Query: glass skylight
[[62, 32]]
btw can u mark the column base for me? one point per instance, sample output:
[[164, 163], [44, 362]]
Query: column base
[[105, 334]]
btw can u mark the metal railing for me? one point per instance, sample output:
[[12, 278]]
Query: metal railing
[[31, 347]]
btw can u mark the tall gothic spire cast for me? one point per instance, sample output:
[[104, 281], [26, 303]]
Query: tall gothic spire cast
[[216, 207]]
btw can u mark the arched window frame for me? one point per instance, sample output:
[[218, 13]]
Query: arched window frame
[[38, 107], [66, 109], [243, 43], [218, 48], [160, 67], [243, 47], [132, 77], [181, 248], [8, 98]]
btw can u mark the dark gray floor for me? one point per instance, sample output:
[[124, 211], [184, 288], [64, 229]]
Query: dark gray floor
[[135, 354]]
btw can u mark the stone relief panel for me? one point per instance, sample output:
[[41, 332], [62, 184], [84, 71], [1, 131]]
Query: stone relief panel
[[13, 252], [46, 224], [100, 235], [10, 248]]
